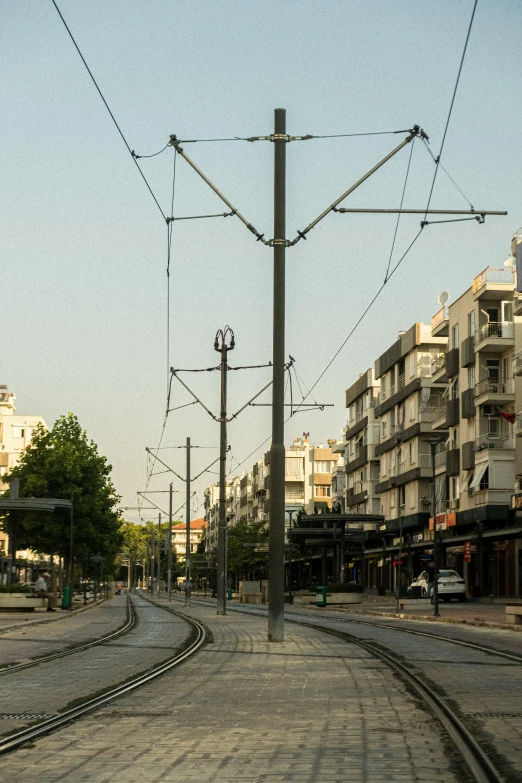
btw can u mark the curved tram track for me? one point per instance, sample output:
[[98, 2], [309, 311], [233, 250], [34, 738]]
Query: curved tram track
[[30, 733]]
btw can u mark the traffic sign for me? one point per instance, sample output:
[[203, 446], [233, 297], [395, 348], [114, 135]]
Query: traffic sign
[[467, 551]]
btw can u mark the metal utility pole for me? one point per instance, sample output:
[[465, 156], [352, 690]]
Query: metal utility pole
[[152, 557], [71, 553], [276, 548], [187, 539], [169, 544], [434, 442], [222, 522], [159, 552]]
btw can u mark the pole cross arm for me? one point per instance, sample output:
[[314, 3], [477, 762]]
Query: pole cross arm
[[174, 142], [149, 451]]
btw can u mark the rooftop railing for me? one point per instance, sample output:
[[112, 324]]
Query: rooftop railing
[[439, 317], [503, 276]]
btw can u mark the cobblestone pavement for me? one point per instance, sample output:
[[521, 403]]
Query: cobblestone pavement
[[26, 642], [50, 687], [11, 620], [486, 690], [313, 709]]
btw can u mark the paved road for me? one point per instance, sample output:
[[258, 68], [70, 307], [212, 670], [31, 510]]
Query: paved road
[[313, 709], [50, 687], [32, 641]]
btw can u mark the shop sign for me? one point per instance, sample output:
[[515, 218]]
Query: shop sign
[[467, 551], [451, 519], [441, 520], [418, 537]]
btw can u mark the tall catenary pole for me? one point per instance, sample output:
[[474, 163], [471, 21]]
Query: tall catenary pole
[[152, 556], [159, 552], [169, 544], [187, 539], [222, 520], [276, 549]]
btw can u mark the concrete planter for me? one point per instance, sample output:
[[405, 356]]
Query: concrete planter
[[344, 598], [19, 602]]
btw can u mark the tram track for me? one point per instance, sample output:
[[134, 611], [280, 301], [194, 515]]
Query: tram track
[[125, 628], [30, 733], [477, 761]]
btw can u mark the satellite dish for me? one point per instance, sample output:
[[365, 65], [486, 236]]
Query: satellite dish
[[509, 262], [443, 298]]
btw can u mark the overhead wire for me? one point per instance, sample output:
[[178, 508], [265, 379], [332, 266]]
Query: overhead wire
[[108, 109], [434, 159], [135, 154], [437, 159], [399, 214]]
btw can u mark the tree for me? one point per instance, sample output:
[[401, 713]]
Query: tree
[[57, 463], [242, 559]]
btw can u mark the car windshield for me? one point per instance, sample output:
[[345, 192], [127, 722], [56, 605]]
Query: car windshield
[[449, 575]]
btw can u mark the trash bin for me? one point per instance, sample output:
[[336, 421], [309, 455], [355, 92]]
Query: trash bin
[[66, 597], [229, 594], [320, 596]]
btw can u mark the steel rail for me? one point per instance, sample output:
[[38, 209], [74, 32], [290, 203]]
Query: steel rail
[[14, 741], [129, 624], [478, 762]]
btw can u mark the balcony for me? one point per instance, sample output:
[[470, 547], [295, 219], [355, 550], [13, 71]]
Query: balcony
[[517, 304], [492, 440], [438, 365], [494, 391], [440, 323], [489, 497], [493, 283], [439, 417], [517, 363], [495, 337], [518, 425], [440, 459]]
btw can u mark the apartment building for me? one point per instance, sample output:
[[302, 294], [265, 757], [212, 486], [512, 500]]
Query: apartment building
[[362, 435], [179, 537], [16, 431], [308, 485]]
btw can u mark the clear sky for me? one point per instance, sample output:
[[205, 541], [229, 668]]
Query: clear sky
[[83, 246]]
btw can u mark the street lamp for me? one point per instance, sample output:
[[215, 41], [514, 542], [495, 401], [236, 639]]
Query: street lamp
[[434, 442]]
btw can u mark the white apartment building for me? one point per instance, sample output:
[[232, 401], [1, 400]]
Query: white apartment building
[[16, 431], [179, 537], [361, 437]]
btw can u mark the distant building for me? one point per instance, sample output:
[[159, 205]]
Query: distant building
[[16, 431], [179, 536]]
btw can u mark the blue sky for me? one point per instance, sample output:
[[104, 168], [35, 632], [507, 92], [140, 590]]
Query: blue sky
[[84, 247]]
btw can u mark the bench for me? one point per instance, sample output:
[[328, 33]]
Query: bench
[[514, 613]]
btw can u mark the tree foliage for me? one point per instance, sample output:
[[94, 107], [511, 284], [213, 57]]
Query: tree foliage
[[242, 559], [59, 462]]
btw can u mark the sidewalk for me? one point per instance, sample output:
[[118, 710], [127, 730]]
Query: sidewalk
[[10, 621]]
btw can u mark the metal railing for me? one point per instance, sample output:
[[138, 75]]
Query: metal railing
[[503, 276], [402, 381], [497, 330], [440, 459], [439, 317], [438, 363], [439, 412], [518, 423], [424, 460], [494, 386], [517, 361], [491, 440]]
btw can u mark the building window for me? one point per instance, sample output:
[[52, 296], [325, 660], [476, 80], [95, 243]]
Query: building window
[[471, 376], [323, 466], [18, 432], [471, 323], [455, 336], [322, 491], [412, 452]]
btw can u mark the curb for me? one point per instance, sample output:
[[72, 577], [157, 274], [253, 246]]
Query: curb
[[62, 616]]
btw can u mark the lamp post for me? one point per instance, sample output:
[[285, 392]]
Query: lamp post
[[434, 442]]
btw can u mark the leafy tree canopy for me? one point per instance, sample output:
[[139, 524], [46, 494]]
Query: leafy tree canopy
[[243, 559], [58, 462]]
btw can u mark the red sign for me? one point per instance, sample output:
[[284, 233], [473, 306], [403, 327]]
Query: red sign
[[467, 551]]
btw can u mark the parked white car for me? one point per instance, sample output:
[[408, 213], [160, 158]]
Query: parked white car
[[451, 585]]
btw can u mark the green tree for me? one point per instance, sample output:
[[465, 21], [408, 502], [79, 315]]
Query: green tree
[[57, 463], [244, 559]]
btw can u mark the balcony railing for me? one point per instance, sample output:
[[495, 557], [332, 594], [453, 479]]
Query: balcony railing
[[402, 381], [504, 276], [491, 440], [518, 424], [497, 330], [438, 363], [439, 412], [440, 459], [439, 317], [424, 460], [517, 361], [494, 386]]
